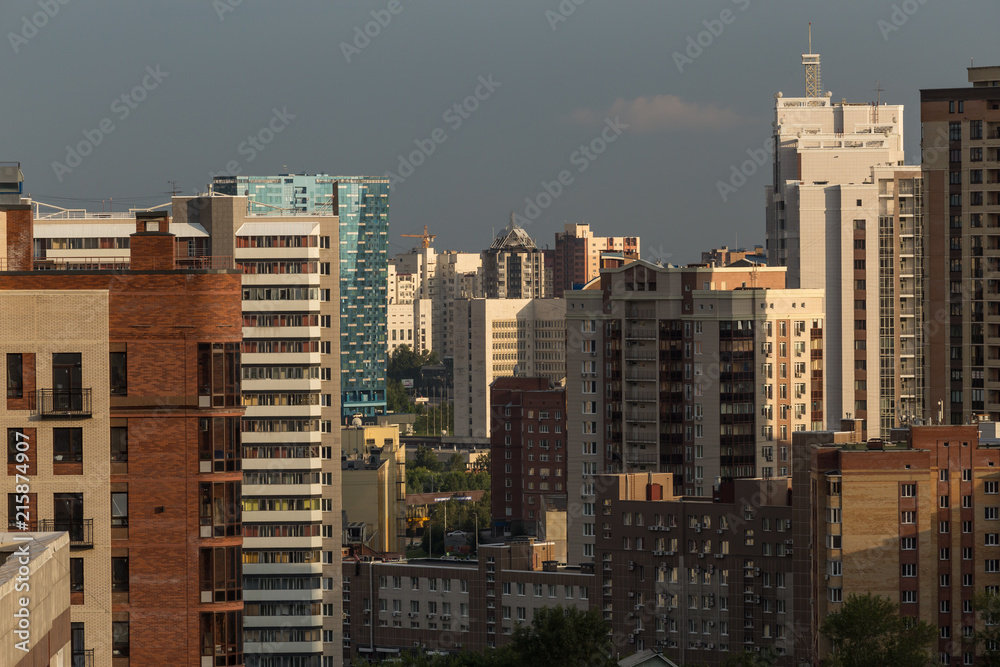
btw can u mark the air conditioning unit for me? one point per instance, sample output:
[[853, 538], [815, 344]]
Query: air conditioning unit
[[631, 594], [368, 611], [789, 543], [413, 614], [720, 555], [756, 572], [638, 607], [631, 565], [395, 613], [701, 555], [756, 599], [719, 531]]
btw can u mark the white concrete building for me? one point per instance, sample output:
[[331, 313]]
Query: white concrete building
[[502, 338], [842, 215], [438, 280]]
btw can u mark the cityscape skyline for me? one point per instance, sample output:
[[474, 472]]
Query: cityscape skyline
[[706, 110]]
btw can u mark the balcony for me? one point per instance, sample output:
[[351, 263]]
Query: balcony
[[83, 658], [62, 403], [81, 534]]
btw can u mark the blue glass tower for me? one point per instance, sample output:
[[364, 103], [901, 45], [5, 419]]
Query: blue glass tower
[[362, 204]]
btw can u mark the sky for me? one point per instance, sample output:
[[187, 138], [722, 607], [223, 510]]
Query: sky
[[626, 115]]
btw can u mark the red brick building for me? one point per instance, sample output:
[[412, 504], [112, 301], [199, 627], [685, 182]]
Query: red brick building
[[527, 450], [158, 581]]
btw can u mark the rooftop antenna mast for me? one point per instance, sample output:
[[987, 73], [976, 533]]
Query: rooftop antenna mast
[[878, 98], [811, 62]]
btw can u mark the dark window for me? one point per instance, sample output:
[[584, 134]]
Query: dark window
[[955, 131], [219, 442], [67, 381], [220, 508], [76, 575], [119, 509], [119, 639], [119, 374], [69, 514], [15, 436], [15, 376], [119, 444], [222, 573], [119, 573], [77, 641], [67, 445], [219, 373]]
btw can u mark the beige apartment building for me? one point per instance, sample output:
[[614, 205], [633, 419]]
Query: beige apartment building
[[844, 214], [514, 267], [429, 282], [700, 371], [503, 338], [43, 606], [44, 326], [373, 485], [914, 518]]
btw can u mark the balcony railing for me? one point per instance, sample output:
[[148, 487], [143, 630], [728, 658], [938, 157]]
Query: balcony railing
[[55, 403], [84, 658], [81, 533]]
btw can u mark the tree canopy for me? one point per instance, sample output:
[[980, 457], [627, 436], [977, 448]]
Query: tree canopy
[[557, 636], [869, 632], [986, 640]]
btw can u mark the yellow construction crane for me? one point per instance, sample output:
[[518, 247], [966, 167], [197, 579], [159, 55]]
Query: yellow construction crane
[[427, 238]]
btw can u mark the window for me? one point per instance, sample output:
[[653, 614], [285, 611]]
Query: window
[[76, 575], [119, 639], [908, 490], [908, 517], [909, 570], [67, 445], [908, 543], [991, 513], [119, 573], [119, 374], [835, 594], [119, 444], [991, 487], [119, 509], [69, 514], [15, 377]]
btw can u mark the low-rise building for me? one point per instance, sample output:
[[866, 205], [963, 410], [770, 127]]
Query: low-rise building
[[373, 484], [449, 606]]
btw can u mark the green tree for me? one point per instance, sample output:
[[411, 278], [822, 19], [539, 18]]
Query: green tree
[[563, 636], [869, 632], [748, 658], [426, 458], [404, 362], [397, 398], [456, 463], [987, 639]]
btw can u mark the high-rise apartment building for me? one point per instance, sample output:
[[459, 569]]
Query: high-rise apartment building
[[436, 280], [844, 215], [291, 384], [123, 389], [577, 257], [514, 266], [961, 168], [913, 518], [703, 372], [503, 338], [528, 451], [361, 208]]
